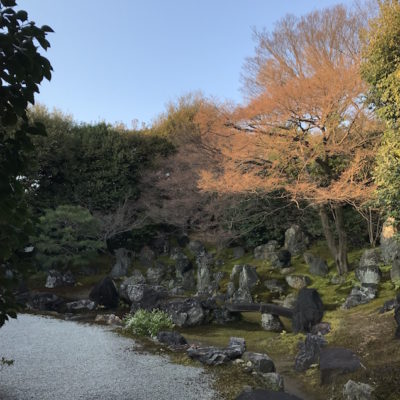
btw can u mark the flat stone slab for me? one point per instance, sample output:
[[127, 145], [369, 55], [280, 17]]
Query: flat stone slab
[[337, 361], [261, 394]]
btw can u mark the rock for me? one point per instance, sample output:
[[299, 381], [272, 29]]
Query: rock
[[281, 259], [204, 263], [243, 279], [317, 266], [290, 300], [248, 277], [109, 319], [271, 323], [182, 264], [309, 352], [237, 342], [238, 252], [156, 274], [219, 276], [186, 312], [216, 356], [274, 286], [369, 275], [105, 293], [357, 391], [171, 338], [46, 302], [308, 310], [273, 381], [388, 305], [370, 258], [264, 251], [123, 261], [160, 245], [147, 257], [136, 279], [59, 279], [360, 295], [395, 271], [223, 316], [295, 240], [389, 245], [322, 328], [297, 281], [145, 297], [287, 271], [241, 296], [262, 394], [259, 362], [335, 361], [80, 305], [196, 247]]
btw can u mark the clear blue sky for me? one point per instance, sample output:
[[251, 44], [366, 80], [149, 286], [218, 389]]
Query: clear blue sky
[[125, 59]]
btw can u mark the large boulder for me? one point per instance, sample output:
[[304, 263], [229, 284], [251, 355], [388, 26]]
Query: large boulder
[[182, 264], [204, 263], [171, 338], [272, 381], [390, 245], [46, 302], [317, 266], [335, 361], [357, 391], [308, 310], [370, 258], [145, 297], [264, 251], [271, 323], [260, 362], [263, 394], [186, 312], [295, 240], [81, 305], [370, 274], [281, 259], [298, 281], [156, 273], [216, 356], [360, 295], [309, 352], [105, 293], [123, 260], [243, 279], [137, 278], [58, 279]]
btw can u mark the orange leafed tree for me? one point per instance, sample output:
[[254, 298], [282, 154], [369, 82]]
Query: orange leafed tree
[[306, 128]]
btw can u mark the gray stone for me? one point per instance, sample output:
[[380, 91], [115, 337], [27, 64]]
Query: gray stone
[[287, 271], [248, 278], [260, 362], [59, 279], [242, 296], [308, 310], [238, 342], [196, 247], [264, 251], [156, 274], [370, 258], [389, 244], [123, 259], [271, 323], [290, 300], [388, 305], [105, 293], [309, 352], [219, 276], [335, 361], [317, 266], [357, 391], [46, 302], [360, 295], [145, 297], [273, 381], [275, 286], [297, 281], [136, 279], [295, 240], [182, 264], [204, 263], [109, 319], [280, 259], [186, 312], [81, 305], [171, 338], [243, 279], [369, 274], [395, 271], [147, 257]]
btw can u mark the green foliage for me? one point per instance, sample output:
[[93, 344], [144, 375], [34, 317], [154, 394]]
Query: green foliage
[[23, 68], [381, 65], [94, 166], [146, 323], [67, 236]]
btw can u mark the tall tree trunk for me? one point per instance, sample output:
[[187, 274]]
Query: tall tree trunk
[[339, 249]]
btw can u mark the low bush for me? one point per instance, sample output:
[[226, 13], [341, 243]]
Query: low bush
[[148, 323]]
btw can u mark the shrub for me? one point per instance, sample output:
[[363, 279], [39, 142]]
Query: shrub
[[148, 323]]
